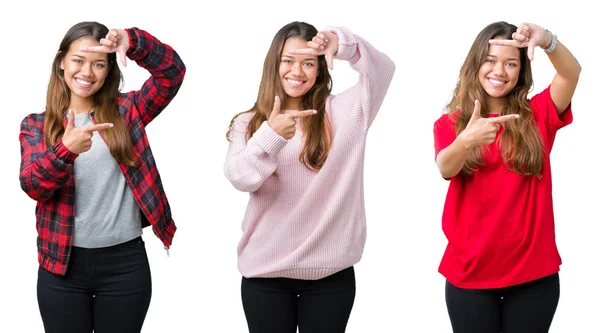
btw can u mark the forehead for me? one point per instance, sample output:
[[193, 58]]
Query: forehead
[[504, 51]]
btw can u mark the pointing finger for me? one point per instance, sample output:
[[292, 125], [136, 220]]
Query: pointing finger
[[98, 127], [505, 42], [306, 51], [502, 119], [302, 114]]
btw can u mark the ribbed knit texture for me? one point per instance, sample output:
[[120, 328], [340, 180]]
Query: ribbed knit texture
[[306, 224]]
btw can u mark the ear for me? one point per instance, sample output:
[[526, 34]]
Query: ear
[[62, 61]]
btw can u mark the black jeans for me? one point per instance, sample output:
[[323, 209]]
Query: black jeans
[[106, 290], [280, 305], [523, 308]]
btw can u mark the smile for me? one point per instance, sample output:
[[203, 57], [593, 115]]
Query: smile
[[496, 83], [83, 83], [294, 83]]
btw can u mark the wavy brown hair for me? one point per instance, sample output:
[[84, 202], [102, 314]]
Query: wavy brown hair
[[521, 142], [106, 109], [318, 131]]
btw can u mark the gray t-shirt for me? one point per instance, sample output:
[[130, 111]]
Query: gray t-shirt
[[106, 212]]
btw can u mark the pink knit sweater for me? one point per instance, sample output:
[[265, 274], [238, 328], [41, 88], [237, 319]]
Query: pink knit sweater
[[307, 224]]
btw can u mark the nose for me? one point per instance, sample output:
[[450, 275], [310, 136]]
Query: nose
[[499, 69], [297, 69], [86, 69]]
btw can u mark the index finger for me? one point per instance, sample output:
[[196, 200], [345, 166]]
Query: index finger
[[100, 48], [306, 51], [301, 114], [97, 127], [501, 119], [507, 42]]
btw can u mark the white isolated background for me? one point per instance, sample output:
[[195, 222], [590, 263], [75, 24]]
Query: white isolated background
[[223, 44]]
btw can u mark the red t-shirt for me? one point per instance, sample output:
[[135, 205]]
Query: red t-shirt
[[500, 224]]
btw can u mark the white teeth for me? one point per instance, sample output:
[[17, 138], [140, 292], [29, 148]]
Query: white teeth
[[496, 82], [83, 83], [294, 82]]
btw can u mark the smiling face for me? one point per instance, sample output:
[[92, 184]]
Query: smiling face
[[84, 72], [297, 73], [499, 73]]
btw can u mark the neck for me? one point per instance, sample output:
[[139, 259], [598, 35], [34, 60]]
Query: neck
[[293, 103], [495, 105], [81, 105]]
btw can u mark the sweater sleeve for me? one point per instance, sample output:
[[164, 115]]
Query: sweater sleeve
[[249, 164], [362, 101]]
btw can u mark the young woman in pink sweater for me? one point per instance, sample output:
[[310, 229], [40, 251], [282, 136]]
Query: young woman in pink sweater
[[299, 152], [501, 262]]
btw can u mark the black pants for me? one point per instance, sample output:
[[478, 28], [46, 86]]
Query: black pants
[[524, 308], [280, 305], [106, 290]]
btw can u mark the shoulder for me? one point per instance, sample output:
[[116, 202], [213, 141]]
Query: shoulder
[[34, 119], [541, 98], [447, 119], [243, 118]]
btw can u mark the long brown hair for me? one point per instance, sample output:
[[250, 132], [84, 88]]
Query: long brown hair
[[106, 109], [317, 128], [521, 142]]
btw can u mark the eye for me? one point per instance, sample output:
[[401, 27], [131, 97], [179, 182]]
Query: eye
[[309, 64], [99, 65], [286, 61], [511, 64], [491, 61], [77, 61]]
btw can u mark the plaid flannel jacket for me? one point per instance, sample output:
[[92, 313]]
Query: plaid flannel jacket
[[47, 176]]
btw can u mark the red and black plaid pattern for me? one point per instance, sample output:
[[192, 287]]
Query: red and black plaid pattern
[[47, 172]]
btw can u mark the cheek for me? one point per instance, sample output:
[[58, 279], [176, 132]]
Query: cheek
[[312, 73], [101, 74]]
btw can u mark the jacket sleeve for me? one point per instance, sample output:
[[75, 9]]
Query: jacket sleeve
[[43, 169], [166, 68]]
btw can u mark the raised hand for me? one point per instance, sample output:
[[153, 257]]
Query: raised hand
[[79, 139], [285, 123], [482, 131], [116, 40], [527, 35], [326, 43]]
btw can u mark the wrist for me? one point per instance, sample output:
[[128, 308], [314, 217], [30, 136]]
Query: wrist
[[552, 45], [464, 143]]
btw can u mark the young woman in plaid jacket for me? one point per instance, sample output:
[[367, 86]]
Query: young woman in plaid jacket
[[87, 162]]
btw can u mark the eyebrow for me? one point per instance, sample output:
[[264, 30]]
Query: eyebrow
[[82, 57], [493, 56], [292, 57]]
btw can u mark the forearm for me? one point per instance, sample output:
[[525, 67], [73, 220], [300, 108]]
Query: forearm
[[565, 63], [248, 165], [375, 70], [40, 177], [165, 66], [451, 159]]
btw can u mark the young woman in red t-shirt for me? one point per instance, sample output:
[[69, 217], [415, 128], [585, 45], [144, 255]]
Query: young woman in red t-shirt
[[493, 144]]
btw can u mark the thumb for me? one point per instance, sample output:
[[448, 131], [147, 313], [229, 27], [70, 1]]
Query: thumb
[[476, 112], [70, 120], [276, 108]]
